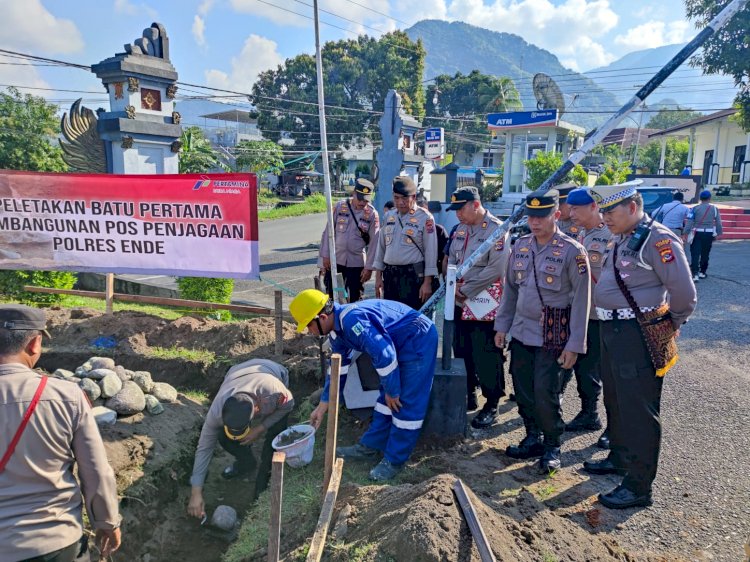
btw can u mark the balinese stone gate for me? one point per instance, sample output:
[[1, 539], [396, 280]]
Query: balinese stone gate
[[140, 134]]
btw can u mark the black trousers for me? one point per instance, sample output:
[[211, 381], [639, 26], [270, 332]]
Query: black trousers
[[484, 362], [68, 554], [632, 395], [587, 368], [537, 380], [246, 460], [352, 283], [401, 283], [700, 248]]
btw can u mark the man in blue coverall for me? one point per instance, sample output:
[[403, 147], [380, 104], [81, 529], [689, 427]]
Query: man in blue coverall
[[402, 344]]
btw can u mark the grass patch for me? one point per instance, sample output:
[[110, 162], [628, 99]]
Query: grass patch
[[549, 557], [174, 352], [510, 492], [200, 396], [315, 203]]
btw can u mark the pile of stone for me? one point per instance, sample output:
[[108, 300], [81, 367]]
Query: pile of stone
[[115, 390]]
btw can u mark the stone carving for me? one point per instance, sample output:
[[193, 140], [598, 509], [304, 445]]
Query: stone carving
[[176, 118], [151, 99], [176, 146], [132, 84], [127, 142], [84, 151], [171, 91], [153, 43], [130, 111], [118, 91]]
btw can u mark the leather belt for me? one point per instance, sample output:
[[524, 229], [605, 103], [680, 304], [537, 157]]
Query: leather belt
[[621, 313]]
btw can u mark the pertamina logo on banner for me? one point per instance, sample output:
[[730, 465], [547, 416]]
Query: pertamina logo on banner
[[198, 225]]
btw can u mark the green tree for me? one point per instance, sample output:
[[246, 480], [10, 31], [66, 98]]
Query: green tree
[[259, 156], [28, 127], [544, 164], [466, 99], [675, 156], [357, 75], [615, 171], [196, 154], [727, 51], [667, 118]]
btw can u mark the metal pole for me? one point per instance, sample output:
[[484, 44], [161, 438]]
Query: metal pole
[[557, 177], [324, 149]]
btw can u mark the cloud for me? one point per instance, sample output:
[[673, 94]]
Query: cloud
[[24, 74], [199, 28], [585, 54], [129, 9], [28, 26], [654, 34], [258, 54], [205, 7]]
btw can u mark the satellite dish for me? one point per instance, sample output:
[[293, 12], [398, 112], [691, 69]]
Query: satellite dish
[[548, 94]]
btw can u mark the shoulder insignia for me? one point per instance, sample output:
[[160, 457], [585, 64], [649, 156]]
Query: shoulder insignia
[[430, 226], [581, 263], [667, 255], [665, 243], [500, 244]]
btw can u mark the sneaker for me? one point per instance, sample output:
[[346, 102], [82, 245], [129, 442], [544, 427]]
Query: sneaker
[[356, 452], [702, 275], [385, 470], [696, 278]]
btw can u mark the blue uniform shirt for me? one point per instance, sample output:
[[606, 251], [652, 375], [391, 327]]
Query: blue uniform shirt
[[383, 329]]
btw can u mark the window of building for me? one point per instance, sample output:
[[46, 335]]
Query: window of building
[[488, 159], [407, 141], [737, 160]]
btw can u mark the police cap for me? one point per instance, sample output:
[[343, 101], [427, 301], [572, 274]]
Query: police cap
[[22, 317], [542, 204]]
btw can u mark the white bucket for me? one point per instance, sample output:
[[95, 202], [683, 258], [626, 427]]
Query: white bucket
[[300, 452]]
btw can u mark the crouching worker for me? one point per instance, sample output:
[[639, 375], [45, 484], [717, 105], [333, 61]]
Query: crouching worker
[[402, 344], [252, 406]]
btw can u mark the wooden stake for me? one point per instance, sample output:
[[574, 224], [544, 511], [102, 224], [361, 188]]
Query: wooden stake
[[279, 322], [343, 297], [326, 514], [109, 292], [274, 524], [333, 418], [483, 545], [316, 283]]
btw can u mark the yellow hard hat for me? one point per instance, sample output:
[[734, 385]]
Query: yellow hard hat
[[306, 306]]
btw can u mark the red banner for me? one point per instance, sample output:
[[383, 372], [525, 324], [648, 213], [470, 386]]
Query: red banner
[[200, 225]]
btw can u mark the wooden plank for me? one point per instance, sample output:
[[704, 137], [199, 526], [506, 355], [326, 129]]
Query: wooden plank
[[274, 523], [109, 291], [483, 545], [163, 301], [326, 514], [279, 319], [333, 419]]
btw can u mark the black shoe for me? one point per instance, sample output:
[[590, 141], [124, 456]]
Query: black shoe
[[603, 442], [234, 471], [605, 466], [485, 418], [622, 498], [550, 460], [512, 397], [471, 401], [529, 448], [584, 421]]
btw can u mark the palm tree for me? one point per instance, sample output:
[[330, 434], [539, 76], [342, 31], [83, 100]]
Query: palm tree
[[196, 154], [499, 96]]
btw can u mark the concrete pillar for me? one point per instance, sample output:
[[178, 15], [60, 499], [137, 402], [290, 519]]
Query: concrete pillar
[[691, 145], [663, 155], [507, 162], [551, 140], [713, 176], [745, 167]]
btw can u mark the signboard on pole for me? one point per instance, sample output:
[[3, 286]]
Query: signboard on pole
[[434, 143], [188, 224], [528, 119]]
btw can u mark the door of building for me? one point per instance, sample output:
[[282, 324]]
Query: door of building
[[708, 159]]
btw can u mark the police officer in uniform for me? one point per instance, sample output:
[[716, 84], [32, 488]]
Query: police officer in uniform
[[643, 268], [565, 223], [406, 257], [545, 307], [357, 227], [594, 235], [475, 336]]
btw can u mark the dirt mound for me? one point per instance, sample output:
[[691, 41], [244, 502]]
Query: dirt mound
[[426, 521]]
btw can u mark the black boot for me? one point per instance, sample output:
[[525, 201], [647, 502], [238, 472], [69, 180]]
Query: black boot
[[604, 466], [485, 418], [550, 460], [603, 442], [586, 420], [529, 448]]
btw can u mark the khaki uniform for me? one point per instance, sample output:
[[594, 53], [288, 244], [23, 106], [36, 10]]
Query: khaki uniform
[[595, 242], [569, 228], [406, 253], [261, 378], [656, 274], [40, 499], [562, 274], [475, 339]]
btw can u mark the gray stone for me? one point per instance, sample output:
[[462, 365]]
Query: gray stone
[[102, 363], [123, 373], [130, 400], [164, 392], [104, 416], [80, 372], [153, 406], [86, 367], [99, 374], [63, 374], [110, 385], [91, 389], [224, 518], [143, 380]]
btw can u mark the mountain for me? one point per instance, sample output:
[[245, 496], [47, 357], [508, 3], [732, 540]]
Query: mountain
[[687, 86], [459, 47]]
